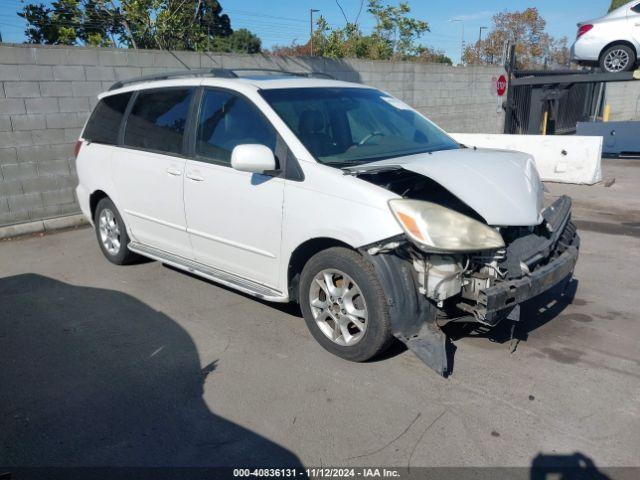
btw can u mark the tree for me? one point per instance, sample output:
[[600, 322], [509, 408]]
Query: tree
[[55, 25], [558, 53], [100, 26], [394, 36], [293, 50], [394, 25], [68, 21], [40, 28], [210, 17], [617, 3], [176, 24], [164, 24], [240, 41], [429, 55], [525, 29]]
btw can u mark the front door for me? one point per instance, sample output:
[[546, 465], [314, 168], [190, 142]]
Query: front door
[[148, 172], [234, 218]]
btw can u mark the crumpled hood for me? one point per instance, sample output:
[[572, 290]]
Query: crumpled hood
[[502, 186]]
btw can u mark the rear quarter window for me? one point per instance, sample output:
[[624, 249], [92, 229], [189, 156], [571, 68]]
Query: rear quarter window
[[157, 120], [104, 124]]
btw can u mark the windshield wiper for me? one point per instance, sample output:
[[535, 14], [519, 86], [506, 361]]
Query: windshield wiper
[[370, 169], [351, 163]]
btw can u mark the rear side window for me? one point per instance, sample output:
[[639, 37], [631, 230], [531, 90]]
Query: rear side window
[[104, 124], [226, 121], [158, 119], [636, 8]]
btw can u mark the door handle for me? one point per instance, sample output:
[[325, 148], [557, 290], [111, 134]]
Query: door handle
[[195, 177], [174, 171]]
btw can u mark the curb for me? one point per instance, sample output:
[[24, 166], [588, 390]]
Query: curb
[[47, 225]]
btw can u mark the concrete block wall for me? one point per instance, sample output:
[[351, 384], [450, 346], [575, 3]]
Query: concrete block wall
[[624, 99], [47, 93]]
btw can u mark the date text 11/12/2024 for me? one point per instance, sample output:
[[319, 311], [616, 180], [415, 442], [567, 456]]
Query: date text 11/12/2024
[[325, 472]]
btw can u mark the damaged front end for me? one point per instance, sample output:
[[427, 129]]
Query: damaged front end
[[428, 289]]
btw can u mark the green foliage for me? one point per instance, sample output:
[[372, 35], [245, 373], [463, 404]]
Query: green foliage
[[428, 55], [174, 24], [162, 24], [240, 41], [395, 28], [99, 25], [617, 3], [40, 28], [394, 36], [68, 21]]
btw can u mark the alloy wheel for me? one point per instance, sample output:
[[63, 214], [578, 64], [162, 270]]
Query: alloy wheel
[[338, 307], [109, 231], [616, 60]]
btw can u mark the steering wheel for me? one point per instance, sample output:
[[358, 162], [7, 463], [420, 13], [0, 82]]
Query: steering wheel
[[369, 137]]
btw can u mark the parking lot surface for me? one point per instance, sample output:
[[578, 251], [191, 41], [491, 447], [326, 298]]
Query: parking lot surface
[[145, 365]]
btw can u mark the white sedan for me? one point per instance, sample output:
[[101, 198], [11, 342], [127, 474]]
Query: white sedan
[[612, 42]]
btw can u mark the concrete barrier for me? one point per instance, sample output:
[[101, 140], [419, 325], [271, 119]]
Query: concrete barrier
[[563, 159]]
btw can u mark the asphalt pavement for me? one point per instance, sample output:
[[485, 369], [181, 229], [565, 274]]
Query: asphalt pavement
[[145, 365]]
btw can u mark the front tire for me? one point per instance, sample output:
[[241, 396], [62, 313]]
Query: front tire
[[344, 305], [111, 233], [618, 58]]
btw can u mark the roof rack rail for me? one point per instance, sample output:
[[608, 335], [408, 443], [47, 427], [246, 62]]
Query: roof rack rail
[[199, 72], [213, 72], [284, 72]]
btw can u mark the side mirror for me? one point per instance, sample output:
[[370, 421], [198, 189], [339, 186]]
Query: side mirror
[[253, 158]]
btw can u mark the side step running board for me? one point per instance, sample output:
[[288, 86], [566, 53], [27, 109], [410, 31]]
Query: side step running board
[[219, 276]]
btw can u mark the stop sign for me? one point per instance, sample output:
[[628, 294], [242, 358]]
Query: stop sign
[[501, 85]]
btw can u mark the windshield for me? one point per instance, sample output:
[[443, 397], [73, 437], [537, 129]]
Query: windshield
[[349, 126]]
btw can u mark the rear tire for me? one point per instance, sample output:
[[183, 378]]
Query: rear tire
[[344, 305], [618, 58], [111, 233]]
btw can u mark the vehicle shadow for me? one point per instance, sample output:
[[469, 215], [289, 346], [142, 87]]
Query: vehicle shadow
[[575, 466], [94, 377]]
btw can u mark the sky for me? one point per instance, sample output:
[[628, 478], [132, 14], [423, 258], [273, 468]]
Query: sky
[[281, 22]]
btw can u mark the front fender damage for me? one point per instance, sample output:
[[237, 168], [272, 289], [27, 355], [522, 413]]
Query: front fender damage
[[413, 317]]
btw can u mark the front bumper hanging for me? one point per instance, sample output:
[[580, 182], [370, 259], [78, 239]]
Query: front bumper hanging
[[508, 294], [413, 315], [546, 263]]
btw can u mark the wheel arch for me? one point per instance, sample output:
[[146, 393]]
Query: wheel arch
[[618, 42], [94, 199], [301, 255]]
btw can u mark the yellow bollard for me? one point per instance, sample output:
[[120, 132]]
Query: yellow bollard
[[607, 113], [545, 118]]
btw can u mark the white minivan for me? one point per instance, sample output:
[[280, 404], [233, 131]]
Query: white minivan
[[331, 194]]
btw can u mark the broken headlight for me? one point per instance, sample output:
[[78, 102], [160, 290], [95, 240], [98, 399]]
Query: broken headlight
[[439, 229]]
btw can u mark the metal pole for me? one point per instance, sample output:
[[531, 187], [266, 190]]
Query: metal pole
[[311, 12], [462, 43], [311, 29], [480, 40], [480, 34]]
